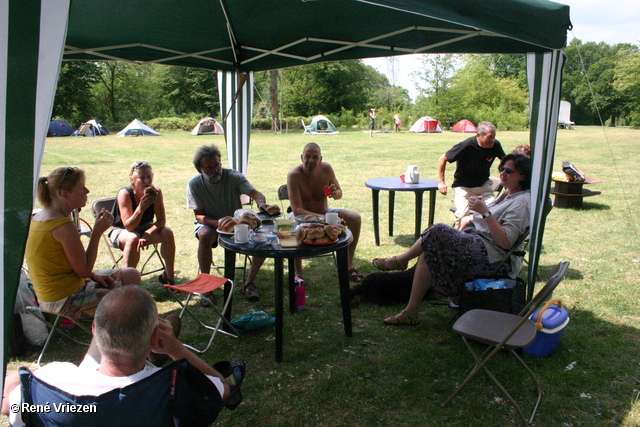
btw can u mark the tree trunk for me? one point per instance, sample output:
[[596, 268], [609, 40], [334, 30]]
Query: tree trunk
[[612, 122], [273, 89]]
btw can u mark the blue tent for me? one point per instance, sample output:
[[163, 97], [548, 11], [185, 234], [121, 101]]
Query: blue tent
[[60, 128]]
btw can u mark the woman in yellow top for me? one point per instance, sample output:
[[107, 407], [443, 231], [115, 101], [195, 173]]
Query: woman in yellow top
[[60, 268]]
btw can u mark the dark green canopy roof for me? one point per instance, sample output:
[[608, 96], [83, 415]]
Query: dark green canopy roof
[[255, 35]]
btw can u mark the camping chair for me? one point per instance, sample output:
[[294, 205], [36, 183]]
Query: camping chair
[[84, 228], [307, 128], [56, 326], [177, 395], [503, 331], [283, 195], [84, 130], [201, 287], [107, 203]]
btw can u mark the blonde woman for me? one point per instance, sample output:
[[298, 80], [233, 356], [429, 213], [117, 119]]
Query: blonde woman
[[140, 220], [59, 266]]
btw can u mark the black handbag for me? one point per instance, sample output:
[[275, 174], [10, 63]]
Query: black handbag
[[510, 300]]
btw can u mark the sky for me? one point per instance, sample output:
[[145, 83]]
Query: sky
[[612, 22]]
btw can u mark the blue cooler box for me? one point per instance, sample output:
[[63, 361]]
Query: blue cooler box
[[554, 321]]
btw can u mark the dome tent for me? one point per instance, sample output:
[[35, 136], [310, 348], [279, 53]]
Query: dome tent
[[137, 128], [464, 125], [91, 128], [208, 126], [319, 125], [59, 128], [426, 125]]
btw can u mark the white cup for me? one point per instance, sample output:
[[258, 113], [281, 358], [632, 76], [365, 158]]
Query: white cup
[[332, 218], [241, 233]]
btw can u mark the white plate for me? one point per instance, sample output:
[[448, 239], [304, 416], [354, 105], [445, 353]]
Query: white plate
[[310, 218], [228, 233]]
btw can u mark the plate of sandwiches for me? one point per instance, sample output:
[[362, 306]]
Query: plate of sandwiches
[[319, 233], [226, 223]]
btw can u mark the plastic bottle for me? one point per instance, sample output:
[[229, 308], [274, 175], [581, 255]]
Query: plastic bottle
[[300, 293]]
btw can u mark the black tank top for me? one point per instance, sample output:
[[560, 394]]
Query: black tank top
[[147, 216]]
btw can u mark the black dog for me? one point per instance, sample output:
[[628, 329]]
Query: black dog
[[386, 288]]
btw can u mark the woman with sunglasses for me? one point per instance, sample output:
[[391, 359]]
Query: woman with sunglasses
[[448, 257], [60, 268], [140, 220]]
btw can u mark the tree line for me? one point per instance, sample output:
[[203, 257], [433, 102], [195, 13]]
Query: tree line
[[601, 81]]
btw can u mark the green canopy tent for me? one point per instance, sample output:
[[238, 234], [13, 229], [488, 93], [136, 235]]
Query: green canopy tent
[[239, 37]]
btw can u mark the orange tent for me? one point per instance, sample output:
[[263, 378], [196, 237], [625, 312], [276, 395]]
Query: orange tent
[[464, 126]]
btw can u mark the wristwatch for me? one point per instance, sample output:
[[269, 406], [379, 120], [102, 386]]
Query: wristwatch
[[486, 215]]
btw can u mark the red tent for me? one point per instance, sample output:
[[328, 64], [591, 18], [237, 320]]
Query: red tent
[[464, 126]]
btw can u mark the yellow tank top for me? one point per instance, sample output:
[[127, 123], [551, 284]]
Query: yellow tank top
[[49, 269]]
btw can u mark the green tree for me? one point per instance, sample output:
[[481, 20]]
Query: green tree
[[189, 90], [127, 91], [476, 94], [74, 101], [506, 66], [325, 88], [433, 83], [627, 80], [588, 82]]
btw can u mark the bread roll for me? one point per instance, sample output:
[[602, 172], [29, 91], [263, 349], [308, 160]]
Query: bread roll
[[252, 220], [340, 228], [324, 239], [315, 233], [222, 221], [151, 190], [331, 232], [301, 234], [228, 225]]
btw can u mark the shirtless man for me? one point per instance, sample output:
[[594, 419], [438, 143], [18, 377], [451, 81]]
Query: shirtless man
[[305, 184]]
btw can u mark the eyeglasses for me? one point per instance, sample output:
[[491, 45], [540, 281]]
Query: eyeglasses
[[67, 172], [506, 170], [212, 167]]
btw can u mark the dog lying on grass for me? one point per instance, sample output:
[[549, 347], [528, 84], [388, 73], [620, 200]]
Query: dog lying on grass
[[386, 288]]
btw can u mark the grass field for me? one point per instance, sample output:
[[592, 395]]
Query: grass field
[[385, 376]]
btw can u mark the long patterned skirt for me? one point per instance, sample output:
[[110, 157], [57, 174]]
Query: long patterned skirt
[[455, 257]]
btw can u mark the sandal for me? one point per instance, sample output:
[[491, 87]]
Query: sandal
[[163, 279], [379, 263], [354, 276], [251, 292], [406, 319]]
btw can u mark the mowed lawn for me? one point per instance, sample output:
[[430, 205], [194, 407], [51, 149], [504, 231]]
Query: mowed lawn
[[386, 376]]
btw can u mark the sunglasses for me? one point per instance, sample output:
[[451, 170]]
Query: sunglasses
[[506, 170], [69, 170], [138, 165]]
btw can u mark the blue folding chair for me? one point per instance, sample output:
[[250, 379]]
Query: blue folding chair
[[177, 395]]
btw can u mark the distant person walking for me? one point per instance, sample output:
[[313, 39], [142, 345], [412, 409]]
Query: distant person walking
[[397, 122], [372, 121]]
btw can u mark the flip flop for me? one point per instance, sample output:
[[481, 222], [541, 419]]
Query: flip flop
[[379, 263], [406, 319], [354, 276]]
